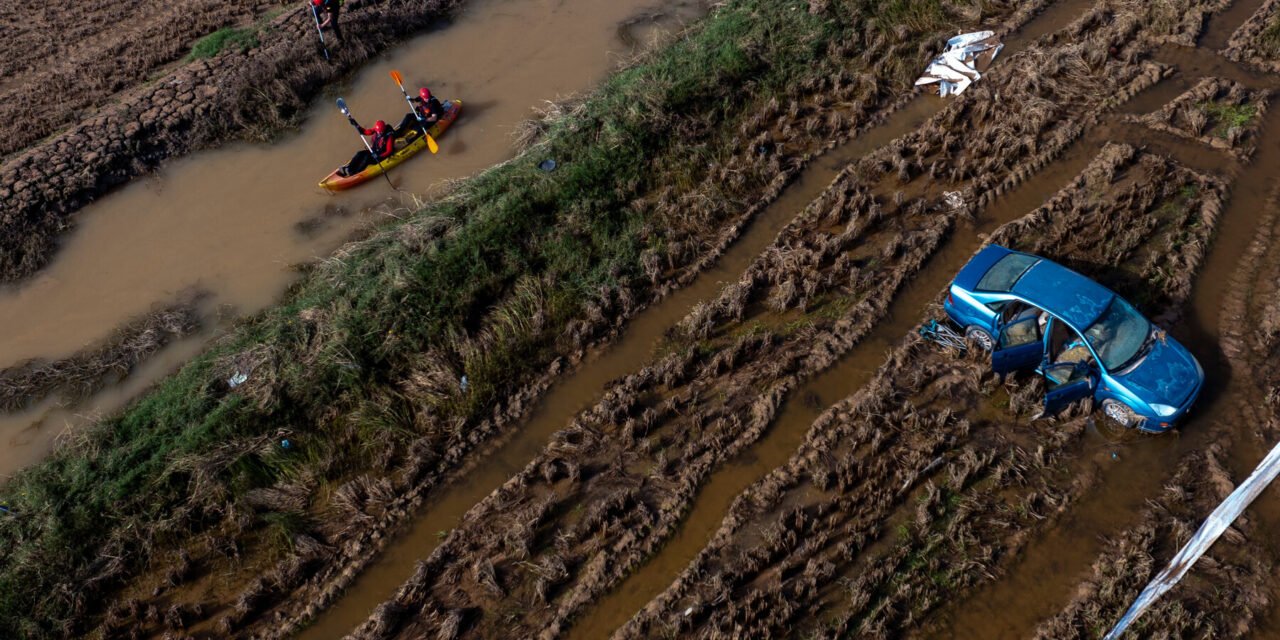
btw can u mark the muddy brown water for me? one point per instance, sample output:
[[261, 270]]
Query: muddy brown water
[[583, 387], [1045, 576], [853, 370], [231, 221]]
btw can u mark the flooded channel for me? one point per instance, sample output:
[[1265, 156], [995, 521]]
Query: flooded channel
[[234, 221], [853, 370], [1042, 581]]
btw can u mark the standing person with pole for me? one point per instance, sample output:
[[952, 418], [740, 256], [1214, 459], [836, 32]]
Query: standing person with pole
[[330, 9], [315, 15]]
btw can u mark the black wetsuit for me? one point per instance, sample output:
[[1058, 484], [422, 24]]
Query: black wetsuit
[[383, 143], [431, 112], [333, 8]]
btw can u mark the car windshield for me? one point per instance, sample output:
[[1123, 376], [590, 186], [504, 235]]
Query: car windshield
[[1005, 272], [1118, 334]]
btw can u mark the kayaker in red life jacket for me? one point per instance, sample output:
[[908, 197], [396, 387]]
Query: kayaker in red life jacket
[[427, 105], [328, 10], [383, 143]]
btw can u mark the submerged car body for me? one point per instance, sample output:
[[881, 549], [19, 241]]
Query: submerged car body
[[1084, 339]]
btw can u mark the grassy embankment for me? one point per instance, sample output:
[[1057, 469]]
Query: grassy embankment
[[483, 282]]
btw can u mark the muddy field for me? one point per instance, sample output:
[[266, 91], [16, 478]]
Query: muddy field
[[790, 457], [932, 478], [89, 110]]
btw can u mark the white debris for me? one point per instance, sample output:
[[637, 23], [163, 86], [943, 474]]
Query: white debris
[[1214, 526], [954, 199], [962, 62], [688, 611], [237, 380]]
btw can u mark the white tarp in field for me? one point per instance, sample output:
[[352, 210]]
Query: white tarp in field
[[962, 62], [1214, 526]]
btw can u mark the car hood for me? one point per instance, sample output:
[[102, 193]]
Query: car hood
[[1167, 375]]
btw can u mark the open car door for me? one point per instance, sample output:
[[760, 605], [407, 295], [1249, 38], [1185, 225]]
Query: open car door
[[1018, 346], [1065, 383]]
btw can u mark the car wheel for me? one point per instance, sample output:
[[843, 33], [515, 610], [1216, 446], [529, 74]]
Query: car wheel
[[980, 337], [1120, 413]]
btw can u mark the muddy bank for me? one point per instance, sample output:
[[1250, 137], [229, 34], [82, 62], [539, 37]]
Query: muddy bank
[[1216, 112], [76, 377], [62, 61], [641, 454], [254, 93], [1230, 588], [360, 369], [926, 481]]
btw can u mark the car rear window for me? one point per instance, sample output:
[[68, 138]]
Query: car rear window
[[1005, 272]]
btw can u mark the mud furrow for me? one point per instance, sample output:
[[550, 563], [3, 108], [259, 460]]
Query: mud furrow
[[1251, 43], [1227, 589], [487, 473], [917, 394], [788, 292], [298, 586]]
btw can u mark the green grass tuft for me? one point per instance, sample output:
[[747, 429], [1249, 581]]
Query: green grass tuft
[[243, 38]]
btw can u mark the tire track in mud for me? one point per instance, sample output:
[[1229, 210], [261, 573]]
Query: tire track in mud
[[852, 372], [387, 620], [584, 385], [1062, 555], [567, 397], [755, 599]]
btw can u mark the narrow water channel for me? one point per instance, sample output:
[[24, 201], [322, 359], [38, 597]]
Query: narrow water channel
[[234, 221]]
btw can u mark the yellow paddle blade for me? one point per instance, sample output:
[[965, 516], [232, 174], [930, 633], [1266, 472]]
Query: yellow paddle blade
[[395, 75], [431, 143]]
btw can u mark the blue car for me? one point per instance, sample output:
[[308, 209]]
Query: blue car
[[1034, 314]]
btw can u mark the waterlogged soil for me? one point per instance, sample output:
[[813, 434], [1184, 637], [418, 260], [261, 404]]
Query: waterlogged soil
[[235, 222], [253, 92], [774, 450], [931, 482]]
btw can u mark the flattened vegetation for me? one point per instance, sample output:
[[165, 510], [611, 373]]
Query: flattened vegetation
[[927, 480], [1230, 588], [636, 459], [1257, 41], [1217, 112]]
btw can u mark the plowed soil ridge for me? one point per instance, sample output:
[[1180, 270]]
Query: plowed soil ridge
[[674, 427], [237, 94]]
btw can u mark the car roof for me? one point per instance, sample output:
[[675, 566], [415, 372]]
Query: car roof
[[1075, 299], [979, 265], [1064, 293]]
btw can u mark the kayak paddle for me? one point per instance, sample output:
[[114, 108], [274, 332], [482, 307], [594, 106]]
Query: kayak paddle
[[342, 106], [316, 16], [431, 142]]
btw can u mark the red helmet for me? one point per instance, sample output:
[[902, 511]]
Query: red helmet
[[424, 93], [316, 3], [380, 126]]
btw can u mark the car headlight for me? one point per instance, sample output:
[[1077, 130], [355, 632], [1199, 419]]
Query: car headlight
[[1163, 410]]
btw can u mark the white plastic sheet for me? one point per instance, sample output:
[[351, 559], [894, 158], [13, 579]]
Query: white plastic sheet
[[1214, 526], [962, 62]]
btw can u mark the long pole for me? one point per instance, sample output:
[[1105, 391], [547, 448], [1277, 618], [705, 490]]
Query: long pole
[[342, 106], [431, 142], [316, 16]]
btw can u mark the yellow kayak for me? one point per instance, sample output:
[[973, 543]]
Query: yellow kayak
[[406, 147]]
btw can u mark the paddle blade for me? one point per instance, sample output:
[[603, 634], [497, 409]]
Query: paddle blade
[[431, 143], [395, 75], [342, 106]]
